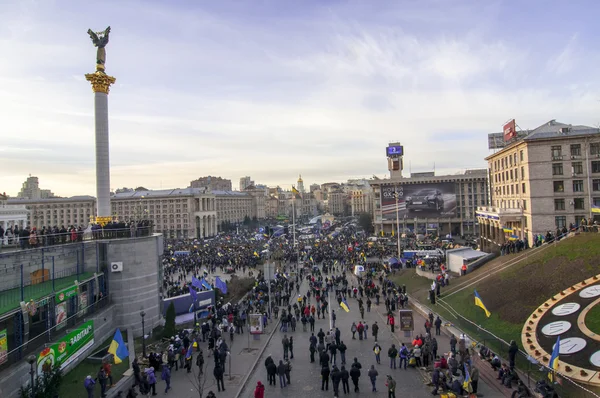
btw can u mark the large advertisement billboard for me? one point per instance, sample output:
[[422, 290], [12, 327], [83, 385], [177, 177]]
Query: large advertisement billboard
[[418, 200], [510, 130]]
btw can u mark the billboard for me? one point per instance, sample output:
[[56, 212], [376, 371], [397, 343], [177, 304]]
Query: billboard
[[394, 150], [427, 200], [510, 130], [68, 348]]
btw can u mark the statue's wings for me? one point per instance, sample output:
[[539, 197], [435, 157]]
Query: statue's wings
[[93, 36]]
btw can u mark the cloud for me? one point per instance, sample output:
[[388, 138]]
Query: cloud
[[274, 92]]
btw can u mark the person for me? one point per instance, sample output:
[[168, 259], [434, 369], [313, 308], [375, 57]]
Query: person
[[291, 347], [286, 346], [259, 391], [373, 377], [452, 344], [417, 356], [353, 330], [436, 378], [108, 371], [391, 385], [199, 362], [288, 370], [137, 373], [271, 370], [325, 377], [151, 379], [377, 351], [89, 385], [342, 349], [312, 350], [354, 375], [438, 326], [345, 376], [474, 378], [375, 330], [218, 373], [392, 354], [102, 379], [281, 373], [336, 377], [512, 353], [166, 376], [403, 356]]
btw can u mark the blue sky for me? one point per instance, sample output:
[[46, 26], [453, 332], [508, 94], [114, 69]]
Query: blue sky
[[274, 88]]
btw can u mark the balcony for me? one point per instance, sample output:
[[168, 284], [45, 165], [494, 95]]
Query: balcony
[[499, 214]]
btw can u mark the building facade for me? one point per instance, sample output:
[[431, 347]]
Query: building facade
[[11, 215], [74, 211], [442, 204], [233, 206], [543, 181], [245, 182], [212, 183], [31, 190], [336, 202]]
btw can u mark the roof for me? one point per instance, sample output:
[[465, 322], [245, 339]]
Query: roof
[[230, 193], [554, 129], [79, 198], [159, 192]]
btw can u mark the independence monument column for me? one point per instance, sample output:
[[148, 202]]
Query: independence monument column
[[100, 86]]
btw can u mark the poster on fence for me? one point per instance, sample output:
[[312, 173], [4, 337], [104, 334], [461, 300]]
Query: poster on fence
[[255, 321], [3, 346], [61, 315], [83, 303], [67, 349]]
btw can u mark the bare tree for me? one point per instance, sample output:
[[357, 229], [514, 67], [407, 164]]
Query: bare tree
[[200, 381]]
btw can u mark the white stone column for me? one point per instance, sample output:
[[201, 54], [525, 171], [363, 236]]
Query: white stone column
[[102, 155]]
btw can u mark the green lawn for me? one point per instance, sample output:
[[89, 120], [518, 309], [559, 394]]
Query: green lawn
[[72, 385], [10, 299], [592, 319]]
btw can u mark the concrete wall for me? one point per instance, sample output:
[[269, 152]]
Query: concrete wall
[[137, 287], [65, 261]]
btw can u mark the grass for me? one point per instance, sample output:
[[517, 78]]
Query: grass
[[72, 384], [10, 299], [592, 319]]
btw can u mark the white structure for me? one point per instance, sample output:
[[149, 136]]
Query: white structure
[[300, 184], [11, 215]]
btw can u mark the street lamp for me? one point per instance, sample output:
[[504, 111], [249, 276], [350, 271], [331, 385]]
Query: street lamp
[[397, 196], [143, 314], [31, 361]]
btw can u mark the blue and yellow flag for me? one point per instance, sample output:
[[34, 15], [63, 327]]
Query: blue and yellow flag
[[256, 254], [118, 348], [344, 305], [507, 230], [294, 190], [480, 304], [553, 364]]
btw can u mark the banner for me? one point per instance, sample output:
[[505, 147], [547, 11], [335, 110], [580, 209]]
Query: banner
[[67, 349], [61, 315], [83, 303], [3, 346], [420, 200], [407, 323], [256, 325], [66, 293]]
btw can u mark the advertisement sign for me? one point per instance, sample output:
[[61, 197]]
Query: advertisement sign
[[67, 293], [407, 323], [3, 346], [256, 325], [61, 315], [67, 349], [418, 201], [394, 150], [510, 130], [83, 303]]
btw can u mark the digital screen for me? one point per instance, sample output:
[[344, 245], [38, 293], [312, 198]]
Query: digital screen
[[396, 150], [418, 200]]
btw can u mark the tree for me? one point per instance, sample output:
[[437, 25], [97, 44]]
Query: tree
[[169, 329], [47, 384], [247, 220], [365, 220], [199, 382]]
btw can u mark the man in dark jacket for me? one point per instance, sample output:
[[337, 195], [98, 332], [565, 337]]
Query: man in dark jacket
[[218, 373], [512, 353], [342, 349], [271, 370], [333, 351], [345, 376], [355, 374], [281, 373], [375, 330], [325, 377], [336, 377], [438, 326]]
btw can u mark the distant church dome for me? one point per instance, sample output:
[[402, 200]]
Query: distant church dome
[[300, 178]]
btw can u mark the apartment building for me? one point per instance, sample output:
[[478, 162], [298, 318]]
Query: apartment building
[[233, 206], [548, 178], [212, 183], [51, 212]]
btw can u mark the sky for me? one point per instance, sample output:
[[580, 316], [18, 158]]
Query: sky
[[277, 88]]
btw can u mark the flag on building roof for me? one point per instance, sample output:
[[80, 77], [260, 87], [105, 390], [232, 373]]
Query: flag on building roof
[[480, 304], [222, 286], [118, 348]]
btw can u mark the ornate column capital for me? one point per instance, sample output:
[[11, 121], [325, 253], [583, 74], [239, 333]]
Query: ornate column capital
[[100, 81]]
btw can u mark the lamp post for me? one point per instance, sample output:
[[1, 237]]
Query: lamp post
[[31, 361], [143, 314], [397, 196]]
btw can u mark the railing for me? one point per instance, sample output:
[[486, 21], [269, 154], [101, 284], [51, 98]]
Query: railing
[[36, 344], [45, 240]]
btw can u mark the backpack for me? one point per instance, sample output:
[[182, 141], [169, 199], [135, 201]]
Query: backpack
[[377, 350]]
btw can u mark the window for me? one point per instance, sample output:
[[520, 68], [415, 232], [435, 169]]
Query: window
[[577, 167], [524, 205], [596, 184], [521, 155], [522, 172], [596, 166], [512, 190], [560, 221], [576, 150], [577, 185], [559, 204], [579, 204], [557, 169], [595, 148], [511, 175], [515, 157], [556, 151], [517, 188], [559, 186]]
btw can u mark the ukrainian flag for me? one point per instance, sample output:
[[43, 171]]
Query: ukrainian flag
[[553, 364], [507, 230], [294, 190], [344, 305], [480, 304], [118, 348], [256, 254]]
